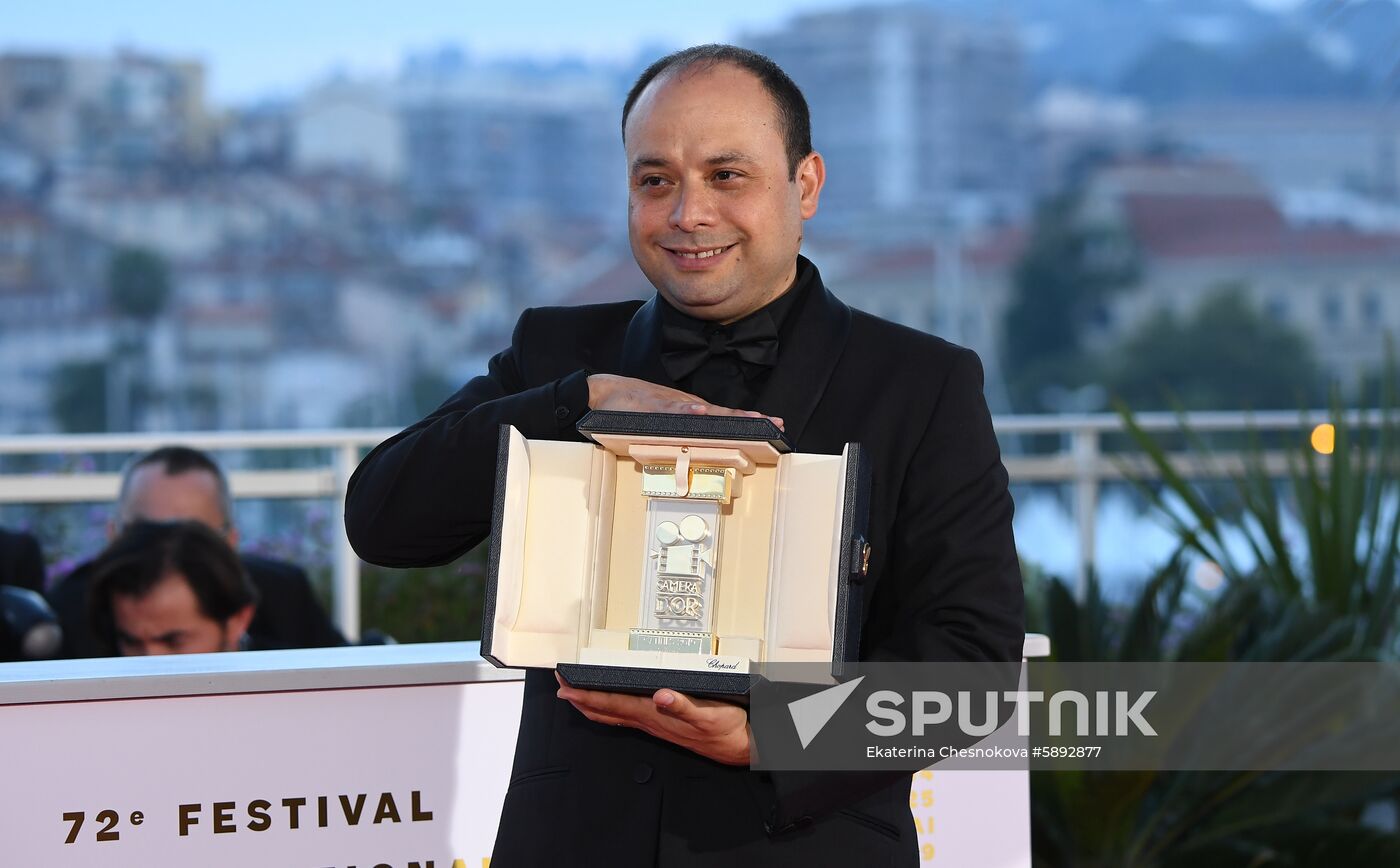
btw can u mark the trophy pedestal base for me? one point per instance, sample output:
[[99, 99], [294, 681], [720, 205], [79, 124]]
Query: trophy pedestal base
[[676, 641]]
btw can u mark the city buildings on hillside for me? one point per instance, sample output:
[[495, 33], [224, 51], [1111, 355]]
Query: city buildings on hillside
[[329, 251], [120, 112], [915, 110], [1202, 226], [1297, 145], [349, 126], [52, 308], [512, 146]]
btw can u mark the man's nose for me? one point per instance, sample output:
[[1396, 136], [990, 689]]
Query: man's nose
[[694, 208]]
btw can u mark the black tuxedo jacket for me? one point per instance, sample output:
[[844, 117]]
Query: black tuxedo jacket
[[944, 581], [288, 614]]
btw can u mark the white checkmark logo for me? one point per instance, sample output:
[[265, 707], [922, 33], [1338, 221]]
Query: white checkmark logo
[[811, 713]]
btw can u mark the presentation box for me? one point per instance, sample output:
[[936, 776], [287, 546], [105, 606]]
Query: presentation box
[[674, 551]]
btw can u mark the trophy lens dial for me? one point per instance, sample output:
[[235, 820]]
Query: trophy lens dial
[[694, 529], [667, 532]]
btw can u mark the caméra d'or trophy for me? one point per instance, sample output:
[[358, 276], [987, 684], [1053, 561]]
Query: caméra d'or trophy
[[681, 551]]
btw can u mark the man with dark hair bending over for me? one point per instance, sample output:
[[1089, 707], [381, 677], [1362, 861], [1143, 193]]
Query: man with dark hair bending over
[[177, 483], [170, 588]]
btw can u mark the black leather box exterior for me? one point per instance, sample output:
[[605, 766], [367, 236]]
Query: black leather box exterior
[[493, 556], [751, 428], [731, 685]]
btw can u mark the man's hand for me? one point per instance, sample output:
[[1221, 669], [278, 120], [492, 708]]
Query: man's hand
[[717, 730], [611, 392]]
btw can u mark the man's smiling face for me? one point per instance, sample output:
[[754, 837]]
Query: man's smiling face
[[714, 216]]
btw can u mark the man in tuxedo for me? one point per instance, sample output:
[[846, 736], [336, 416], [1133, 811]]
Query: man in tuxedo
[[722, 176], [177, 483]]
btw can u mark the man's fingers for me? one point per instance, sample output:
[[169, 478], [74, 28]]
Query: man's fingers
[[599, 717], [617, 705], [717, 410], [702, 717], [611, 392], [714, 729], [674, 704]]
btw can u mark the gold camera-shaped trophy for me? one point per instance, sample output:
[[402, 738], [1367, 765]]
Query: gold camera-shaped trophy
[[673, 551]]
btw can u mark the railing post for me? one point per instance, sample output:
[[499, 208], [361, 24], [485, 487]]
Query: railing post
[[347, 563], [1084, 449]]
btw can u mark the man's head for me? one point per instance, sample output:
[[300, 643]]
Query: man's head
[[175, 483], [170, 588], [721, 176]]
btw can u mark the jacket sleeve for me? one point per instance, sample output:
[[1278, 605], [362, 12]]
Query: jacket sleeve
[[950, 589], [953, 576], [423, 497]]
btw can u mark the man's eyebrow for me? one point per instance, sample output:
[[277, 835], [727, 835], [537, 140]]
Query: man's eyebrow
[[730, 157], [648, 162]]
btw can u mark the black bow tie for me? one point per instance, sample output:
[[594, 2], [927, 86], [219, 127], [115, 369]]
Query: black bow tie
[[753, 341]]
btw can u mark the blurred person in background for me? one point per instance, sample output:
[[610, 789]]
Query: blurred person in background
[[28, 627], [171, 588], [176, 483], [21, 561]]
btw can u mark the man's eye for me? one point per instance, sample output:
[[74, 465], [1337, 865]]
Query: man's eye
[[652, 181], [726, 175]]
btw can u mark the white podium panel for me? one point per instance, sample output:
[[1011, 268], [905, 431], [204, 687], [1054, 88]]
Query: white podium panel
[[386, 757], [402, 775], [335, 778]]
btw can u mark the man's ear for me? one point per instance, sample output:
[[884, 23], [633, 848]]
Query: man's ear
[[237, 624], [811, 177], [231, 537]]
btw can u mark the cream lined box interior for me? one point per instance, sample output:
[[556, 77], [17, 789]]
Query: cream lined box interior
[[571, 553]]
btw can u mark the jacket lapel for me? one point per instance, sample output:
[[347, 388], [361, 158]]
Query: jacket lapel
[[807, 359]]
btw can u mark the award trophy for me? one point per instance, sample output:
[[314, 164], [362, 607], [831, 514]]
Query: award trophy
[[682, 557]]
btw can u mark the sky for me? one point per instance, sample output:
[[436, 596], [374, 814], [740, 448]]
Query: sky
[[260, 48], [257, 48]]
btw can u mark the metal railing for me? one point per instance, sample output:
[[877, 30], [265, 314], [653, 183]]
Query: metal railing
[[1080, 461], [328, 481]]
